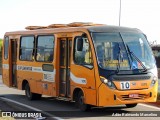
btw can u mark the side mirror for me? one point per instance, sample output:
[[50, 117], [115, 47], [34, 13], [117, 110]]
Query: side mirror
[[79, 44]]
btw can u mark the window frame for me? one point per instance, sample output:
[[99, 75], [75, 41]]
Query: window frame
[[33, 53], [36, 47]]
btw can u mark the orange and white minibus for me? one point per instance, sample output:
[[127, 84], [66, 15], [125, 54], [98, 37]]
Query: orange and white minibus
[[91, 64]]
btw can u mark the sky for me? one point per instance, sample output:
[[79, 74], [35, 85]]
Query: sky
[[141, 14]]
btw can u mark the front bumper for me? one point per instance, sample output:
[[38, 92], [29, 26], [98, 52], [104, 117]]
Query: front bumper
[[110, 97]]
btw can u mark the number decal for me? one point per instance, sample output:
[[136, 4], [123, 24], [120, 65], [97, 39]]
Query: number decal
[[125, 85]]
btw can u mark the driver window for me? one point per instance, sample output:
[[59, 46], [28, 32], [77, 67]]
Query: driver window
[[82, 52]]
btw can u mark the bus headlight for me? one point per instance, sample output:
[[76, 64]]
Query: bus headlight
[[153, 82], [109, 83]]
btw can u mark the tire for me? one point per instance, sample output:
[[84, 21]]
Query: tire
[[30, 95], [80, 102], [131, 105]]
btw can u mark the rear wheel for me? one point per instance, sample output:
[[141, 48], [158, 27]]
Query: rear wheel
[[80, 102], [131, 105], [30, 95]]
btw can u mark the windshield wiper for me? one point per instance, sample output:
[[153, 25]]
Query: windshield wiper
[[136, 58], [119, 58]]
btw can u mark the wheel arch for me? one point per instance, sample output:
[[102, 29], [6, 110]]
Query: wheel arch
[[75, 93], [24, 84]]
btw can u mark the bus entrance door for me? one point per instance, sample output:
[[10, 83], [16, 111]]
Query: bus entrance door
[[64, 71], [13, 62]]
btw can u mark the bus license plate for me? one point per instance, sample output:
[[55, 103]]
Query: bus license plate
[[133, 95]]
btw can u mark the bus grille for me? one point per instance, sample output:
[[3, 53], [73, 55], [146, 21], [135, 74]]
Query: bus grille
[[140, 96], [131, 77]]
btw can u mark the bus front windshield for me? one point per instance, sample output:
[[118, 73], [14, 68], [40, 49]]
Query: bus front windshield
[[123, 51]]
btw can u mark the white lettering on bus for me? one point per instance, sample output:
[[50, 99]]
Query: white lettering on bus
[[77, 79]]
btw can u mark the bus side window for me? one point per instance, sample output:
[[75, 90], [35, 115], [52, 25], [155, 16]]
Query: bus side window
[[29, 55], [82, 52], [26, 48], [45, 48], [6, 44]]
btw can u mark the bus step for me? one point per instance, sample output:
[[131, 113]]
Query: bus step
[[64, 98]]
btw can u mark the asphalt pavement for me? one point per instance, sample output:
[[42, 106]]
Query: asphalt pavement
[[13, 99]]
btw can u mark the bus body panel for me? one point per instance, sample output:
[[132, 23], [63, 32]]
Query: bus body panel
[[83, 77], [5, 73], [138, 84]]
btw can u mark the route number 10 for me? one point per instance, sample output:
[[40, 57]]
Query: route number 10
[[125, 85]]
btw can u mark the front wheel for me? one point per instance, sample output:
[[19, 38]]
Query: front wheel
[[131, 105], [30, 95], [80, 102]]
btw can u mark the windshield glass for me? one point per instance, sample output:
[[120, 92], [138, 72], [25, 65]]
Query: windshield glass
[[139, 46], [112, 53]]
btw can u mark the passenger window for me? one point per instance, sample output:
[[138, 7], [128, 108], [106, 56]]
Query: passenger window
[[82, 52], [45, 47], [26, 48], [6, 44]]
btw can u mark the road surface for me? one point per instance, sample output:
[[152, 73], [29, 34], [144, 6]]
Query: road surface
[[58, 109]]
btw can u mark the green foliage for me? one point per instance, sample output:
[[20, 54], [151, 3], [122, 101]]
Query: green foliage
[[1, 42]]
